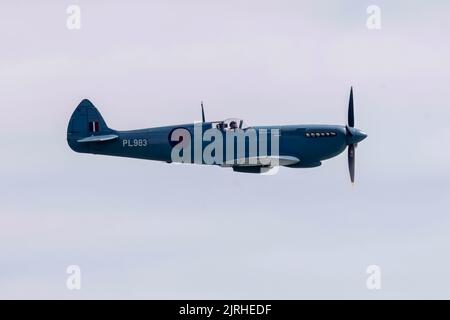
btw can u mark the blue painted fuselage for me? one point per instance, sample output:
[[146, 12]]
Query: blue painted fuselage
[[310, 144]]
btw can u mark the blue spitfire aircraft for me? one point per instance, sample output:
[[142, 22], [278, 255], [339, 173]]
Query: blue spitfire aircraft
[[293, 146]]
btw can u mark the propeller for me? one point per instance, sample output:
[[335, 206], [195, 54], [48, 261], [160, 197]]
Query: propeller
[[203, 113], [351, 147], [353, 136]]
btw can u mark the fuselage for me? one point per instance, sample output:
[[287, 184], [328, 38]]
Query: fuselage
[[227, 143], [309, 143]]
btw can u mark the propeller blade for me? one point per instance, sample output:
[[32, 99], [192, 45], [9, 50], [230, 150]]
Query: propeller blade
[[351, 162], [351, 116], [203, 113]]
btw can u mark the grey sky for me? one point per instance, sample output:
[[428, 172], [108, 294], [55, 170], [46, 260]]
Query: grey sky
[[142, 229]]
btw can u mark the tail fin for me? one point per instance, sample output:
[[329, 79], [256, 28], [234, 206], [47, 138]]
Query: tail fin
[[85, 121]]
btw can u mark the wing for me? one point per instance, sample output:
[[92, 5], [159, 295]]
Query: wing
[[256, 169], [264, 161]]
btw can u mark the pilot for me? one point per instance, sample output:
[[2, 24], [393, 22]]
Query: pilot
[[233, 125]]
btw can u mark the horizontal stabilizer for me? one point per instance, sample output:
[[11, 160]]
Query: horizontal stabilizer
[[102, 138]]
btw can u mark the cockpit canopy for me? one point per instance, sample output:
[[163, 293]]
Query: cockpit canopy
[[230, 124]]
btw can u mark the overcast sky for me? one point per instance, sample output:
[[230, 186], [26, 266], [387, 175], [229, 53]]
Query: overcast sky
[[143, 229]]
